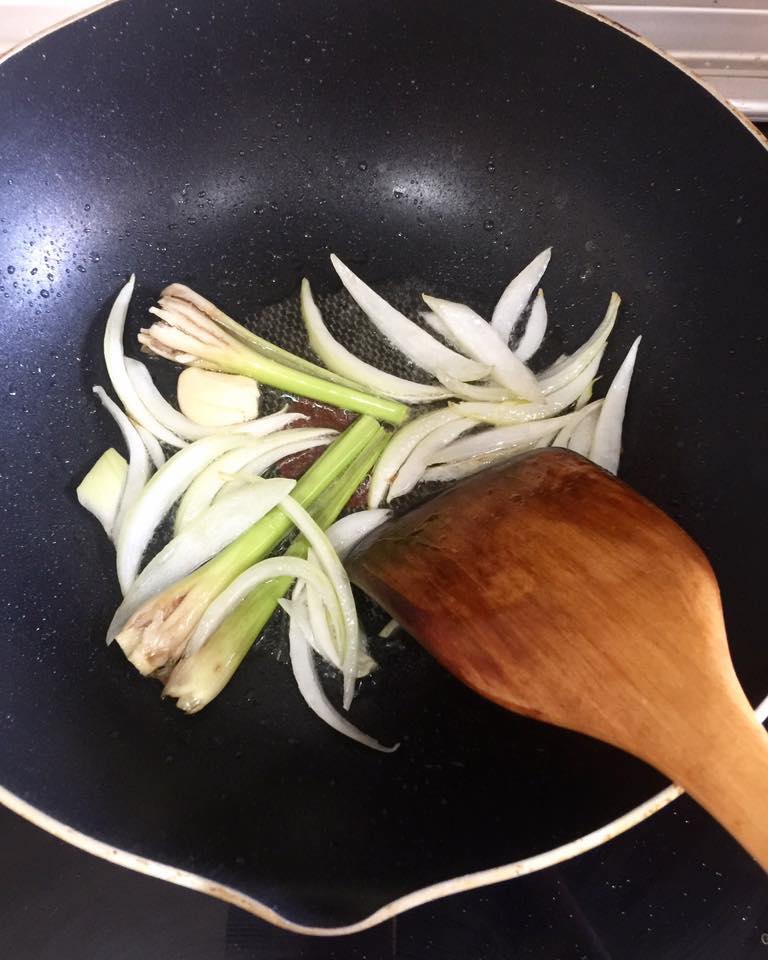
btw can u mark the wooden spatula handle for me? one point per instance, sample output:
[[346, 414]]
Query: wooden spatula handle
[[728, 773]]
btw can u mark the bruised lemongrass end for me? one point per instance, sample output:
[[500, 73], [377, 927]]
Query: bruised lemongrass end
[[186, 334], [156, 635]]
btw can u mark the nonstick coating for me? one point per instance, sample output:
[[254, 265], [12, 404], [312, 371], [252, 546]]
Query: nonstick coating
[[232, 146]]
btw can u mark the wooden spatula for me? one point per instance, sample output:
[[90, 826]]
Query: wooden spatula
[[559, 592]]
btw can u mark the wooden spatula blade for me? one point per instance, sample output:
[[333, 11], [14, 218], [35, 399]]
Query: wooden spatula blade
[[559, 592]]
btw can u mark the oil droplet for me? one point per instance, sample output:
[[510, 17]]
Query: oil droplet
[[45, 294], [363, 165], [87, 206], [11, 268], [397, 194], [81, 268], [488, 225]]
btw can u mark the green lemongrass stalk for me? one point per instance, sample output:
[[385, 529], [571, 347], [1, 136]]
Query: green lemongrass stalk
[[155, 636], [197, 679], [177, 294], [186, 334]]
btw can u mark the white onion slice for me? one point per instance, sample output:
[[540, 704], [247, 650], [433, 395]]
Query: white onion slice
[[338, 359], [161, 492], [566, 396], [583, 433], [502, 438], [407, 336], [303, 664], [475, 391], [481, 342], [334, 570], [254, 453], [138, 461], [513, 300], [460, 469], [437, 326], [152, 445], [426, 452], [399, 447], [165, 414], [567, 368], [325, 641], [586, 394], [390, 627], [606, 445], [535, 329], [101, 489], [215, 529], [114, 358], [564, 435], [270, 569], [347, 532]]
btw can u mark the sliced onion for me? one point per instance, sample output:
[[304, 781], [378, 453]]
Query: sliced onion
[[426, 452], [586, 394], [399, 447], [481, 342], [564, 435], [583, 434], [475, 391], [606, 445], [512, 302], [535, 329], [502, 438], [138, 461], [159, 495], [407, 336], [337, 358], [270, 569], [215, 529], [101, 489], [254, 453], [152, 446], [334, 570], [165, 414], [390, 627], [114, 358], [566, 396], [567, 368], [347, 532], [303, 664], [442, 473], [437, 326], [326, 641]]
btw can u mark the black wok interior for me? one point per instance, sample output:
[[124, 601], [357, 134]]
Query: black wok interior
[[232, 147]]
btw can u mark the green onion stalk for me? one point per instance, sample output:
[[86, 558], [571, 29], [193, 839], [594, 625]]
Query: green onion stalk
[[156, 635], [197, 679], [188, 334]]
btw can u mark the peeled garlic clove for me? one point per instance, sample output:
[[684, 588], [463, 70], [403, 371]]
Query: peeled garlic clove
[[215, 399]]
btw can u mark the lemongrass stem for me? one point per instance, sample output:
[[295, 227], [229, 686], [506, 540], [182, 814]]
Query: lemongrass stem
[[197, 679], [185, 333], [155, 636], [177, 291]]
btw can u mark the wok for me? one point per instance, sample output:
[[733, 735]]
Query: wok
[[232, 147]]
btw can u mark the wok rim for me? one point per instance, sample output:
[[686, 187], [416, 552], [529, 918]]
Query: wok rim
[[443, 888]]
